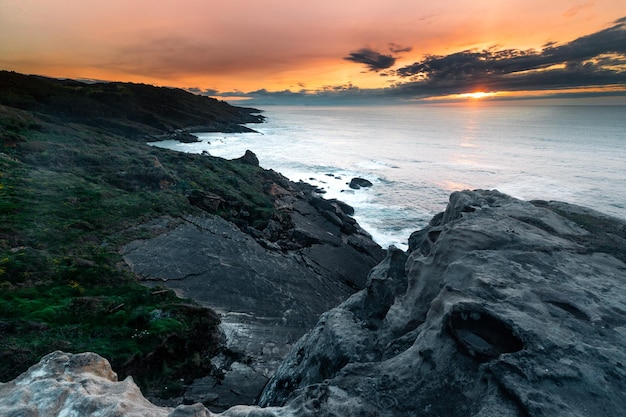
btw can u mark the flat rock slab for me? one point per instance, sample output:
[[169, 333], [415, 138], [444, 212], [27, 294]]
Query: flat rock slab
[[267, 298], [211, 261]]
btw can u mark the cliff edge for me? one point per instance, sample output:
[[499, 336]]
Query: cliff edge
[[268, 286]]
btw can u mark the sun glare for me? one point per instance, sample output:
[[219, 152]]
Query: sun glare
[[464, 97], [476, 95]]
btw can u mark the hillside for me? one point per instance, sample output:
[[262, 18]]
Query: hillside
[[76, 182], [131, 109]]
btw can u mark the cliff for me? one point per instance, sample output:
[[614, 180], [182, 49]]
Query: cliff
[[500, 308], [269, 287]]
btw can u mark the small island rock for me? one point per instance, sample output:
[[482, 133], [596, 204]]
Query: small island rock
[[357, 183]]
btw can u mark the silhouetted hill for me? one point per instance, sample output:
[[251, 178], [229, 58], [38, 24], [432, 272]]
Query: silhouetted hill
[[127, 108]]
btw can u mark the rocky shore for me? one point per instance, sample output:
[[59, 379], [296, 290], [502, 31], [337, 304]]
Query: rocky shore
[[194, 274], [500, 308], [269, 286]]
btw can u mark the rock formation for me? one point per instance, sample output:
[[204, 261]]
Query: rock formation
[[270, 286], [358, 183], [500, 308], [511, 310], [80, 385]]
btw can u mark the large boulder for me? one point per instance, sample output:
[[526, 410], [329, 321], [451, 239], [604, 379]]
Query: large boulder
[[63, 384]]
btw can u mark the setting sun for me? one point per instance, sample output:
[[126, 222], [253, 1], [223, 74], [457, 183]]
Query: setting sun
[[477, 95]]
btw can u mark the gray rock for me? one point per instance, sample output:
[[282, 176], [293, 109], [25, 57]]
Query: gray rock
[[269, 290], [357, 183], [510, 310]]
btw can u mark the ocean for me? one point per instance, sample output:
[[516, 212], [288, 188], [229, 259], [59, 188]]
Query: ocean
[[416, 155]]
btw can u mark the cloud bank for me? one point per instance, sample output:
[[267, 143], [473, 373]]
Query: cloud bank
[[593, 60], [597, 60]]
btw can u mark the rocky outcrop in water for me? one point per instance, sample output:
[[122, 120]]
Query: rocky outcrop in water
[[358, 183], [501, 308]]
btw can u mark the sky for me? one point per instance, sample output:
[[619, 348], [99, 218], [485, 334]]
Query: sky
[[284, 51]]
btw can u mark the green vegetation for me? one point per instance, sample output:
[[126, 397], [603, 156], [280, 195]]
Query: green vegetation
[[71, 193]]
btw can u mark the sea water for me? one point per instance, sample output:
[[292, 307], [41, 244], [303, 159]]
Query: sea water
[[416, 155]]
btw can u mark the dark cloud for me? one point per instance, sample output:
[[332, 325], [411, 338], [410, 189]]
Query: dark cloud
[[203, 92], [341, 87], [396, 49], [206, 92], [343, 94], [593, 60], [374, 60]]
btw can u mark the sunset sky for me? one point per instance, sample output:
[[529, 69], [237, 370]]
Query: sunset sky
[[281, 50]]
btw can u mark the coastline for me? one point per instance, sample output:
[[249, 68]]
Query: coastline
[[417, 156], [76, 188], [510, 307]]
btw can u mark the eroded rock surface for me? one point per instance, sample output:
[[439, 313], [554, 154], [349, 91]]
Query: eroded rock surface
[[64, 384], [502, 308], [511, 310]]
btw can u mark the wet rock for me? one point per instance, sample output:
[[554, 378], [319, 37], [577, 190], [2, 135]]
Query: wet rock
[[332, 217], [357, 183]]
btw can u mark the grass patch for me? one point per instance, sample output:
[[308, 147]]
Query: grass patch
[[126, 323]]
